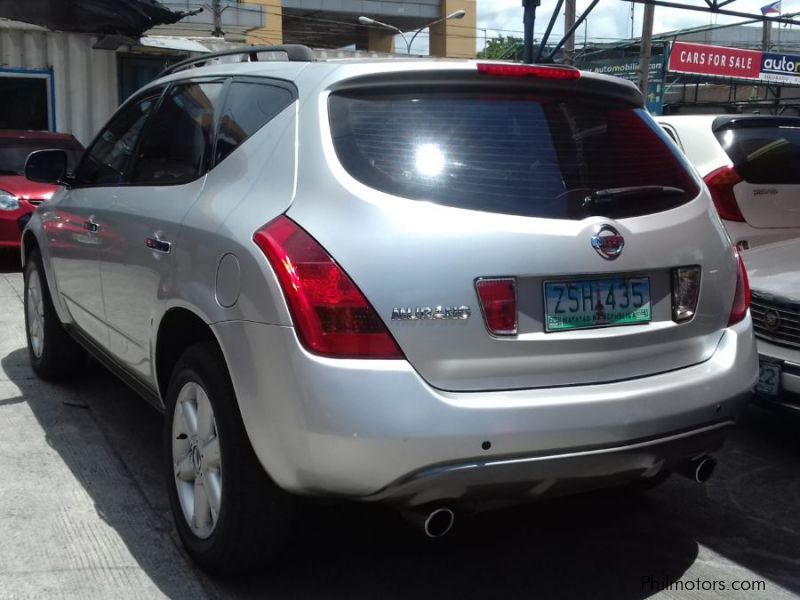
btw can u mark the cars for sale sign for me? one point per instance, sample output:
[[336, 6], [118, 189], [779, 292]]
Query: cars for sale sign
[[715, 61]]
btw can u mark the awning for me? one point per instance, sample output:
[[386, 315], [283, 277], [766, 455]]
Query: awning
[[110, 17], [172, 43]]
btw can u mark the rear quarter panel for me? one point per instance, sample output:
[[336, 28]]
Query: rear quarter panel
[[250, 187]]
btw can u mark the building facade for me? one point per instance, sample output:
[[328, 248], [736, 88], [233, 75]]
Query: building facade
[[333, 24], [55, 81], [73, 82]]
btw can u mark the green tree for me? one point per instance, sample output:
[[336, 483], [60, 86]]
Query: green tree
[[502, 47]]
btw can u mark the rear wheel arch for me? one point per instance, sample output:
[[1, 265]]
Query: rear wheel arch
[[178, 330]]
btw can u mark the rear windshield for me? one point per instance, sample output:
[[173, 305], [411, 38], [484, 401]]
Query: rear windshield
[[14, 153], [769, 154], [511, 153]]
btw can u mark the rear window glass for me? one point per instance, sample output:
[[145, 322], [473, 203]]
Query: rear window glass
[[520, 154], [763, 154]]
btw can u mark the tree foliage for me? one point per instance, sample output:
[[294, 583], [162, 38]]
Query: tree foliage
[[501, 47]]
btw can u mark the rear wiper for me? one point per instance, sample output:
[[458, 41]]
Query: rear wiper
[[621, 193]]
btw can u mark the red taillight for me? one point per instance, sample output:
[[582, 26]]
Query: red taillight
[[720, 183], [539, 71], [498, 298], [331, 315], [741, 298]]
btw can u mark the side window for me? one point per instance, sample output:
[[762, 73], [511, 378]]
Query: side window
[[176, 148], [248, 108], [105, 161]]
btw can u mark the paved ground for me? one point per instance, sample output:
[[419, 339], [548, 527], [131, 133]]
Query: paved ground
[[83, 515]]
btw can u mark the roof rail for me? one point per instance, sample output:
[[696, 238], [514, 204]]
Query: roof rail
[[294, 53]]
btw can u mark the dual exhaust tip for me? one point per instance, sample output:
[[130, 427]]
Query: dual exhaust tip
[[438, 522]]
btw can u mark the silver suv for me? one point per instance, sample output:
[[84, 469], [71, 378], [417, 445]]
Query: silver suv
[[430, 284]]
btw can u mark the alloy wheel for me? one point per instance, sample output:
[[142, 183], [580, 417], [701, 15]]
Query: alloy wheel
[[196, 459], [35, 308]]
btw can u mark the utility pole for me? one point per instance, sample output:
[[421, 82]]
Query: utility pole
[[569, 21], [765, 35], [216, 11], [646, 49], [528, 20]]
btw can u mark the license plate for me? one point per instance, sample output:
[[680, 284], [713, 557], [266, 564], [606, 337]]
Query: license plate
[[587, 303], [769, 378]]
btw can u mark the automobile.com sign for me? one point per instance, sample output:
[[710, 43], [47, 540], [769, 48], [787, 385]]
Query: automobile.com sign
[[733, 63]]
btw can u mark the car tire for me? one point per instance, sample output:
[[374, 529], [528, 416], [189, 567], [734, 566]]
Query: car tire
[[53, 353], [209, 461]]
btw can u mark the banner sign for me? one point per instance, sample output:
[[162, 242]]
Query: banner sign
[[716, 61], [628, 68], [780, 67]]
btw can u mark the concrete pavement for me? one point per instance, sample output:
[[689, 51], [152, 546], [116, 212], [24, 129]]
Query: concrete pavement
[[83, 514], [74, 522]]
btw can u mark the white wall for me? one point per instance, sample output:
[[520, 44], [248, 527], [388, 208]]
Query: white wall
[[85, 80]]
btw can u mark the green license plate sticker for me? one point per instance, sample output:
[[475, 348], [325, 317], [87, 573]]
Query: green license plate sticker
[[587, 303]]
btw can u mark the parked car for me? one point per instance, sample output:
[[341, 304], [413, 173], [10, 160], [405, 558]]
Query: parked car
[[775, 278], [18, 195], [431, 284], [749, 163]]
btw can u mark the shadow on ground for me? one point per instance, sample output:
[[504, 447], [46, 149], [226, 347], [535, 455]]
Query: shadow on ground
[[9, 261], [101, 465], [599, 545]]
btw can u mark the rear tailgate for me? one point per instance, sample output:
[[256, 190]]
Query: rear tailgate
[[434, 189], [765, 152]]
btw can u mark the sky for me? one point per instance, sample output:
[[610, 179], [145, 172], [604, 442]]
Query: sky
[[610, 20]]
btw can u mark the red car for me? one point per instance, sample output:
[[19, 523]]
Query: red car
[[18, 196]]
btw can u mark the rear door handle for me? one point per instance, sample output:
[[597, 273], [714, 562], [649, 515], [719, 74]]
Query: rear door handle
[[158, 245]]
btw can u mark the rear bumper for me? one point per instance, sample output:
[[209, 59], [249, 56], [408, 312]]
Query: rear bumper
[[363, 429], [758, 236], [529, 477]]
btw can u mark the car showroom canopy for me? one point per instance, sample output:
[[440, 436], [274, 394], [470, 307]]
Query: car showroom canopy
[[110, 17]]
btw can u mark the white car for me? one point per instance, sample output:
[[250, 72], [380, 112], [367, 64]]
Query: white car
[[750, 164], [775, 308]]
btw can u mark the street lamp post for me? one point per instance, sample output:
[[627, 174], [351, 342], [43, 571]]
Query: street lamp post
[[458, 14]]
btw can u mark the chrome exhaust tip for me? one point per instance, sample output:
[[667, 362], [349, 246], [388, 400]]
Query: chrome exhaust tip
[[439, 522], [704, 469], [434, 522], [699, 470]]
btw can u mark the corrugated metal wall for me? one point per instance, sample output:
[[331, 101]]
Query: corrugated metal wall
[[84, 79]]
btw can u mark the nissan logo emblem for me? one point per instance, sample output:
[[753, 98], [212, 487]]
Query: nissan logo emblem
[[608, 242]]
